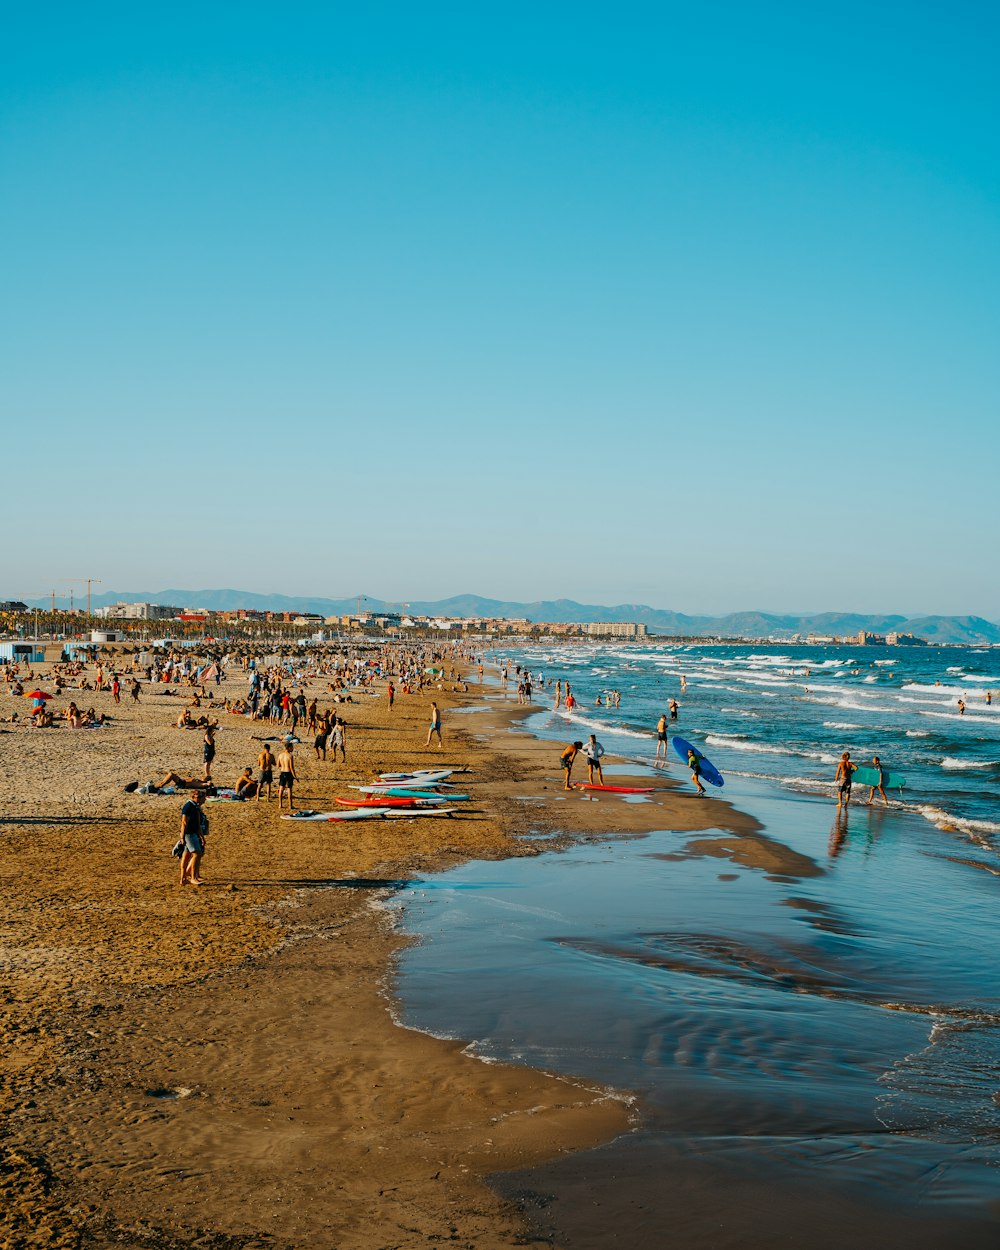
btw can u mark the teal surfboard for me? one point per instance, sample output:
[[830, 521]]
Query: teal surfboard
[[869, 777]]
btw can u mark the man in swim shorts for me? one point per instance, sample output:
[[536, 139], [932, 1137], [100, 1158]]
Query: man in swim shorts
[[566, 760], [435, 726], [286, 773], [661, 736], [265, 762], [844, 779], [194, 827]]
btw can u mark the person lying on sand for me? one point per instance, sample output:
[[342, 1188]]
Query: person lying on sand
[[182, 783]]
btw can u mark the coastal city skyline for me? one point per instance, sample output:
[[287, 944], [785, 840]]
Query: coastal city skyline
[[649, 305]]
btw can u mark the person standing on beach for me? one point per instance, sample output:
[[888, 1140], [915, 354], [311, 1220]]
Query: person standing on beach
[[265, 762], [880, 784], [694, 763], [661, 736], [338, 739], [194, 828], [844, 779], [555, 706], [208, 751], [435, 726], [390, 694], [566, 761], [286, 773], [593, 751]]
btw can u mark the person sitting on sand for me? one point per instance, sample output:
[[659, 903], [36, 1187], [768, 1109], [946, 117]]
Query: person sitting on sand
[[246, 786], [567, 758], [185, 721]]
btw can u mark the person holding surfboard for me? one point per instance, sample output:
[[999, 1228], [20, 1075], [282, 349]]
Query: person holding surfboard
[[880, 784], [844, 778], [694, 763]]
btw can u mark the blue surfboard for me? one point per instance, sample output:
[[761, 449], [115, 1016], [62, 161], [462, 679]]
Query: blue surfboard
[[708, 770]]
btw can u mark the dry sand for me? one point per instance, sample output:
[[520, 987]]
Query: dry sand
[[220, 1067]]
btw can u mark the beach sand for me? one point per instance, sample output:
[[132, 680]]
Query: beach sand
[[220, 1066]]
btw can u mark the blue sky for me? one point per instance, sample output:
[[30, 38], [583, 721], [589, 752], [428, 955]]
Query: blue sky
[[696, 306]]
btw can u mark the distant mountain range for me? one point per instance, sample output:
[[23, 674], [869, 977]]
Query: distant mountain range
[[972, 630]]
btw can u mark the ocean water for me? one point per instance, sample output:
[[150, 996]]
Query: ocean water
[[808, 1017], [786, 715]]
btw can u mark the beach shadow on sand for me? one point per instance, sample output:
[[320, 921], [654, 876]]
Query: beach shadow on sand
[[67, 820]]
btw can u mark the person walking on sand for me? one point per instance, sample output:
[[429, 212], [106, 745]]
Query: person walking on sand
[[694, 763], [390, 692], [661, 736], [435, 726], [208, 750], [338, 739], [844, 779], [286, 773], [880, 784], [194, 829], [566, 761], [265, 762], [593, 751]]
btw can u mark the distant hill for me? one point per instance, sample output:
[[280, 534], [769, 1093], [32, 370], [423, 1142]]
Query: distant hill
[[971, 630]]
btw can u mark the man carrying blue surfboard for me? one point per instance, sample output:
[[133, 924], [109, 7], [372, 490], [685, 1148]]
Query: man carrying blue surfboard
[[694, 763]]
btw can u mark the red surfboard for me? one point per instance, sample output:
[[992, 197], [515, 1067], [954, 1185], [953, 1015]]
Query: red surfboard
[[585, 785]]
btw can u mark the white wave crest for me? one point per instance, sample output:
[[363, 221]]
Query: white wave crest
[[949, 761]]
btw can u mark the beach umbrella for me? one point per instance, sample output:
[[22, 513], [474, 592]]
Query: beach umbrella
[[38, 695]]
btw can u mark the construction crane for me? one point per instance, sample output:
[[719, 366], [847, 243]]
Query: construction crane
[[91, 581]]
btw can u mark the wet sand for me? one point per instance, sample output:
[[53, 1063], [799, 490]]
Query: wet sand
[[221, 1066]]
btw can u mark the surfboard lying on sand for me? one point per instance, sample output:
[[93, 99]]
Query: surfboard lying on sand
[[869, 777], [371, 813], [708, 770], [356, 814], [586, 785], [403, 792], [393, 802], [423, 777]]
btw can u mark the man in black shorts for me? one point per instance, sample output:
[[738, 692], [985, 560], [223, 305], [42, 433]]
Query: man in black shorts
[[286, 773]]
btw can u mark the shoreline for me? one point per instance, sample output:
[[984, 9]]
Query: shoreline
[[159, 1036]]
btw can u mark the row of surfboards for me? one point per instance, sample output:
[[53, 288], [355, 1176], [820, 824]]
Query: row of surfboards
[[417, 793]]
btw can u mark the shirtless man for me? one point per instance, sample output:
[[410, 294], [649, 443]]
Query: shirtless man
[[245, 786], [661, 736], [286, 773], [265, 762], [566, 761], [435, 726]]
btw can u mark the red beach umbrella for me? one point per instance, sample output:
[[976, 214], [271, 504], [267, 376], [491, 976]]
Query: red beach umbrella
[[38, 694]]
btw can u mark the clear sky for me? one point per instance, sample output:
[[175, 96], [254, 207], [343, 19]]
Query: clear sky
[[690, 305]]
